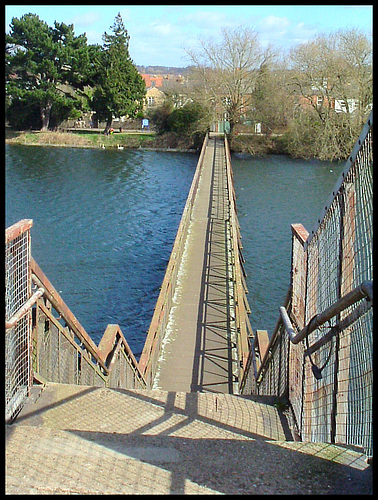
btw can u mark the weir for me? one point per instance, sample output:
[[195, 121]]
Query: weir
[[201, 355]]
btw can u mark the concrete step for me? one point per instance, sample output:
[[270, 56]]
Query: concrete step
[[89, 440]]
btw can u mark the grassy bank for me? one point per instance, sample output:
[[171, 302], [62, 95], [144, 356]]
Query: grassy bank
[[255, 145], [80, 139], [96, 139], [252, 144]]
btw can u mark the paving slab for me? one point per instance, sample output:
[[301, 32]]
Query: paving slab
[[86, 440]]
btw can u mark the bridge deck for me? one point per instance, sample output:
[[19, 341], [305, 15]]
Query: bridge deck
[[198, 352]]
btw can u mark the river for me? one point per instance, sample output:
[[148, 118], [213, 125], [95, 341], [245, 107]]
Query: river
[[105, 223]]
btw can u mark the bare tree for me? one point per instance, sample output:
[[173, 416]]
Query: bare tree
[[272, 103], [334, 67], [333, 75], [227, 71], [356, 50]]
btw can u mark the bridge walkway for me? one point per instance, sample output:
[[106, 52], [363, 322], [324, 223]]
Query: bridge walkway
[[198, 351]]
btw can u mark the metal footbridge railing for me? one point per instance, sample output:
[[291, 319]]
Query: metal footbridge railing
[[320, 354], [43, 338]]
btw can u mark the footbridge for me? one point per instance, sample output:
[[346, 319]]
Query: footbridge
[[211, 406], [201, 315]]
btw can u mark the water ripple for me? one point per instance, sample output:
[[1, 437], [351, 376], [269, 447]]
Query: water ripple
[[104, 225]]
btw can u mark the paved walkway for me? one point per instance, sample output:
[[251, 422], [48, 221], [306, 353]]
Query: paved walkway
[[199, 350], [90, 440]]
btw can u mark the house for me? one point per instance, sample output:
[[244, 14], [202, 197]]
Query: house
[[154, 98], [152, 80], [340, 106]]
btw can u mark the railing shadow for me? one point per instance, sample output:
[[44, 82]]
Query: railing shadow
[[213, 356], [177, 443]]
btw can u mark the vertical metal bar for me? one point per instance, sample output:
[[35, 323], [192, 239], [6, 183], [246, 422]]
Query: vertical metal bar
[[340, 279], [28, 347], [303, 359]]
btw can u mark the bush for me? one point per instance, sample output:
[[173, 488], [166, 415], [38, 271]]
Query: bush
[[159, 117], [331, 139], [184, 121]]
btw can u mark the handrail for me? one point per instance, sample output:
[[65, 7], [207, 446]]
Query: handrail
[[241, 303], [328, 264], [61, 307], [364, 290], [113, 336], [46, 311], [273, 338], [20, 227], [113, 340], [24, 309]]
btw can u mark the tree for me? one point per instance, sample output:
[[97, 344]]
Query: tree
[[326, 70], [187, 120], [160, 116], [271, 103], [39, 59], [228, 71], [356, 50], [120, 90]]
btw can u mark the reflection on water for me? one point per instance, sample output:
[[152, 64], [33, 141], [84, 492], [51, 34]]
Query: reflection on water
[[105, 222], [104, 226]]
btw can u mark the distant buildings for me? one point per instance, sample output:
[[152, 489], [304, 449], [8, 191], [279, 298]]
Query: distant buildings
[[159, 87]]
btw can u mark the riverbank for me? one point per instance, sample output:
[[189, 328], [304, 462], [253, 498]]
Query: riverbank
[[251, 144], [96, 139], [258, 145]]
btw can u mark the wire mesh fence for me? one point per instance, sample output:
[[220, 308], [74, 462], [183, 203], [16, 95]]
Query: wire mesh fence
[[330, 386], [17, 337]]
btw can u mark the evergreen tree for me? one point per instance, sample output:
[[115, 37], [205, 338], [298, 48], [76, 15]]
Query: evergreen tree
[[121, 89], [38, 59]]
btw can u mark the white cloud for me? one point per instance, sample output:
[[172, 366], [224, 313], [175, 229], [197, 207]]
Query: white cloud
[[275, 22], [163, 29], [86, 19], [282, 31]]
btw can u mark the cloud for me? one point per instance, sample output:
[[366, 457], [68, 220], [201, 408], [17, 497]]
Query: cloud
[[275, 22], [282, 31], [86, 19], [163, 29], [302, 33]]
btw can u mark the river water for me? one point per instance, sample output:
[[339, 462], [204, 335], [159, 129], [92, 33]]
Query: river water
[[105, 223]]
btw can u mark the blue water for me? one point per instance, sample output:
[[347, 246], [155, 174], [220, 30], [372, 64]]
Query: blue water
[[272, 193], [104, 226], [105, 223]]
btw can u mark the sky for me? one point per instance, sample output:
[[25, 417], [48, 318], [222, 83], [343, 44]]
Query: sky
[[159, 34]]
